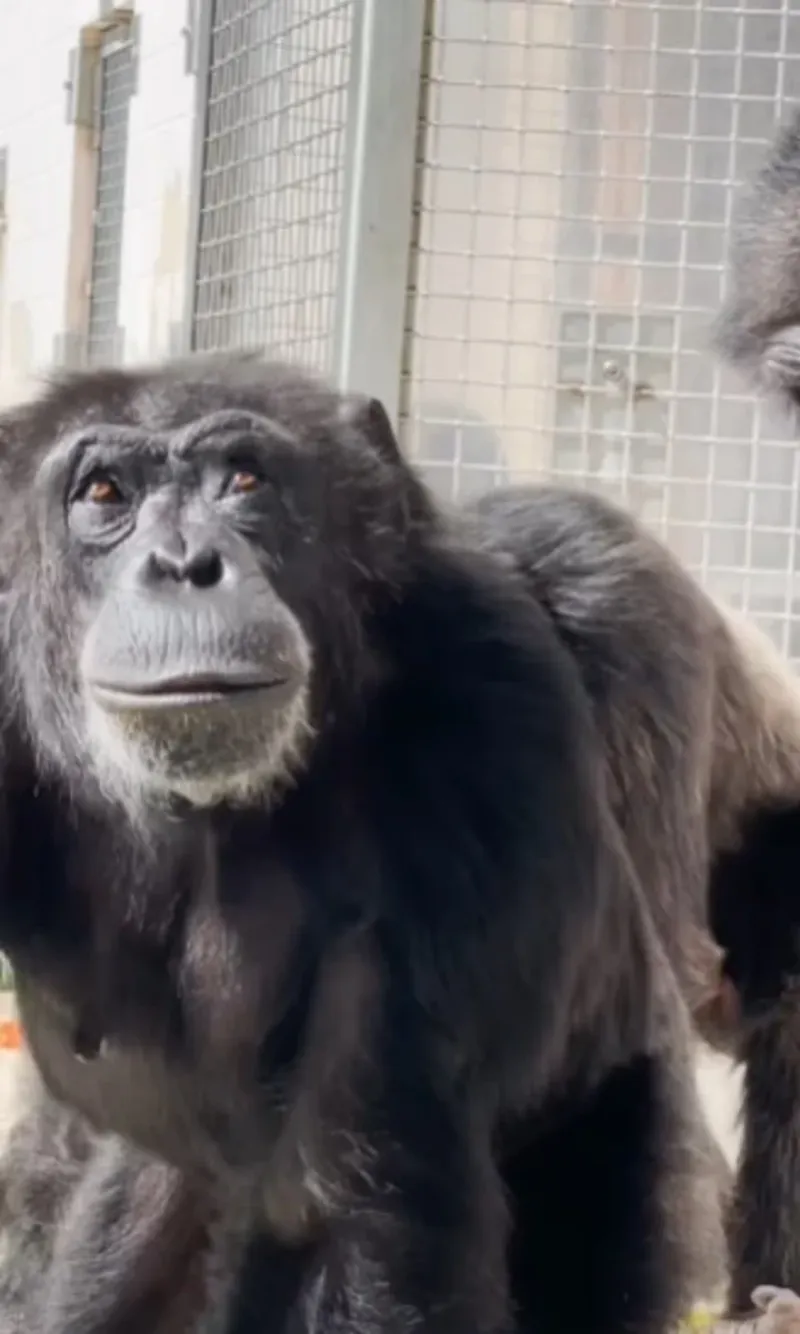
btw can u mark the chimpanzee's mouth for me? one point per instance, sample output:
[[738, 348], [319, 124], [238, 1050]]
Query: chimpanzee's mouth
[[182, 691]]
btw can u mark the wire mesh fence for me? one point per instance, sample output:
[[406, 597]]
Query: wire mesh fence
[[580, 161], [273, 176], [116, 75]]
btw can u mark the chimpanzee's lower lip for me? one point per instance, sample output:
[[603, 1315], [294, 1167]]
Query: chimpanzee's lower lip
[[181, 692]]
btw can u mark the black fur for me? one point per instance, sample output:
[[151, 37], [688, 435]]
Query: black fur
[[45, 1157], [759, 326], [368, 1002], [755, 896], [756, 917], [702, 734]]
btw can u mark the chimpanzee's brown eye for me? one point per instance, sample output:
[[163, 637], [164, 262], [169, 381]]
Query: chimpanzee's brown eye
[[102, 490], [243, 481]]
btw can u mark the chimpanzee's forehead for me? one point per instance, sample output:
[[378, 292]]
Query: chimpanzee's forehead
[[172, 398], [223, 427], [171, 408], [183, 408], [166, 406], [181, 439]]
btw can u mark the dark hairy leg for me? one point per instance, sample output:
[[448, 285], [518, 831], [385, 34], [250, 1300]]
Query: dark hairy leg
[[597, 1244], [765, 1214], [756, 917]]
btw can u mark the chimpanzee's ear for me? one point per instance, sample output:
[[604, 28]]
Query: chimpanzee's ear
[[369, 417], [780, 360], [770, 357]]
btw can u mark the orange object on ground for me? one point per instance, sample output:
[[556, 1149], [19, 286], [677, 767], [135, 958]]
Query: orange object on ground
[[10, 1035]]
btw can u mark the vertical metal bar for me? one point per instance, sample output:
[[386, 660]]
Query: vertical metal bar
[[383, 109], [115, 72], [202, 68]]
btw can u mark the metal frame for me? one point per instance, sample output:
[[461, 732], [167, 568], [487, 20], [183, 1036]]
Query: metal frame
[[116, 38], [382, 124], [383, 111], [200, 39]]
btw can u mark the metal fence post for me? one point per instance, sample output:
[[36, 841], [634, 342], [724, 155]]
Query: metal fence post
[[198, 60], [383, 111]]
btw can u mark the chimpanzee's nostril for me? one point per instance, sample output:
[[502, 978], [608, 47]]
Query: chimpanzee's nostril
[[204, 569], [200, 568]]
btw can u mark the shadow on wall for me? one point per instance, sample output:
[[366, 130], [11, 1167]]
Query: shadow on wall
[[458, 453], [16, 375], [166, 302]]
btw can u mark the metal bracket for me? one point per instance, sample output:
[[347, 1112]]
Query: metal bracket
[[115, 23], [135, 39], [190, 32], [3, 186], [111, 15], [79, 86]]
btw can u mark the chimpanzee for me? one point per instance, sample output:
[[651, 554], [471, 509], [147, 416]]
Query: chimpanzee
[[314, 885]]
